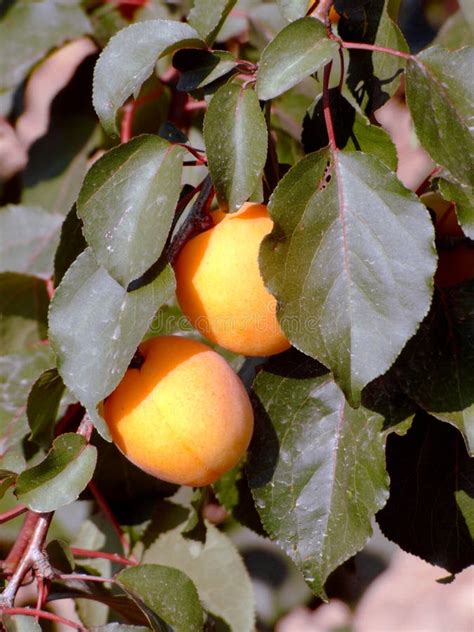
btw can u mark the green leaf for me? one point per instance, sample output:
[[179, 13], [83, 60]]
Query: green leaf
[[29, 239], [20, 623], [293, 9], [372, 77], [455, 32], [71, 244], [430, 471], [217, 571], [167, 592], [299, 50], [195, 528], [17, 374], [60, 477], [23, 311], [463, 196], [373, 140], [127, 204], [233, 492], [437, 366], [199, 68], [130, 57], [28, 30], [352, 131], [208, 16], [466, 506], [95, 327], [235, 134], [96, 594], [43, 405], [316, 466], [60, 556], [440, 96], [351, 262]]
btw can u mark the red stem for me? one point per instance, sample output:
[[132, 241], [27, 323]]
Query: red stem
[[100, 500], [17, 550], [375, 48], [426, 182], [129, 110], [42, 614], [198, 154], [327, 107], [114, 557], [85, 578], [191, 106], [12, 513]]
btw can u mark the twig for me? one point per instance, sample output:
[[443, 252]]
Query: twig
[[198, 220], [85, 427], [13, 513], [33, 558], [327, 107], [83, 577], [426, 182], [100, 500], [43, 614], [192, 106], [113, 557], [129, 110], [322, 11], [197, 153], [375, 48], [18, 549]]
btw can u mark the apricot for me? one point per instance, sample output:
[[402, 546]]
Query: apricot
[[219, 287], [183, 416]]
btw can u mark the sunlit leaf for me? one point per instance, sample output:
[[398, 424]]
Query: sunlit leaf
[[95, 326], [60, 477], [351, 262], [130, 57], [127, 203], [235, 134], [298, 51], [316, 466], [167, 592]]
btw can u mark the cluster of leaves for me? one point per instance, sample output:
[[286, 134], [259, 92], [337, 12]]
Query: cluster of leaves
[[371, 412]]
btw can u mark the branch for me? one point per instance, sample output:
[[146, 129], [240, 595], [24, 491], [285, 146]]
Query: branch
[[113, 557], [197, 221], [375, 48], [13, 513], [43, 614], [327, 107], [18, 549], [32, 558], [100, 500]]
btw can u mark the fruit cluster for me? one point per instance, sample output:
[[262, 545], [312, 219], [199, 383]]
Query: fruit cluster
[[183, 415]]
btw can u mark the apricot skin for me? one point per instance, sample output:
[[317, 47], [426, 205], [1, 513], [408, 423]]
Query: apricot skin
[[184, 416], [219, 287]]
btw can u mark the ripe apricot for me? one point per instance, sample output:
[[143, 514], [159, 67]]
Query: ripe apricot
[[219, 287], [183, 416]]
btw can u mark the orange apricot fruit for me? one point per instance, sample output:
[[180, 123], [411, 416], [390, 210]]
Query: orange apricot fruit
[[219, 287], [183, 416]]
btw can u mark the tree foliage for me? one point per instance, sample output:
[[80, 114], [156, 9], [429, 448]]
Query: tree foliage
[[370, 416]]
